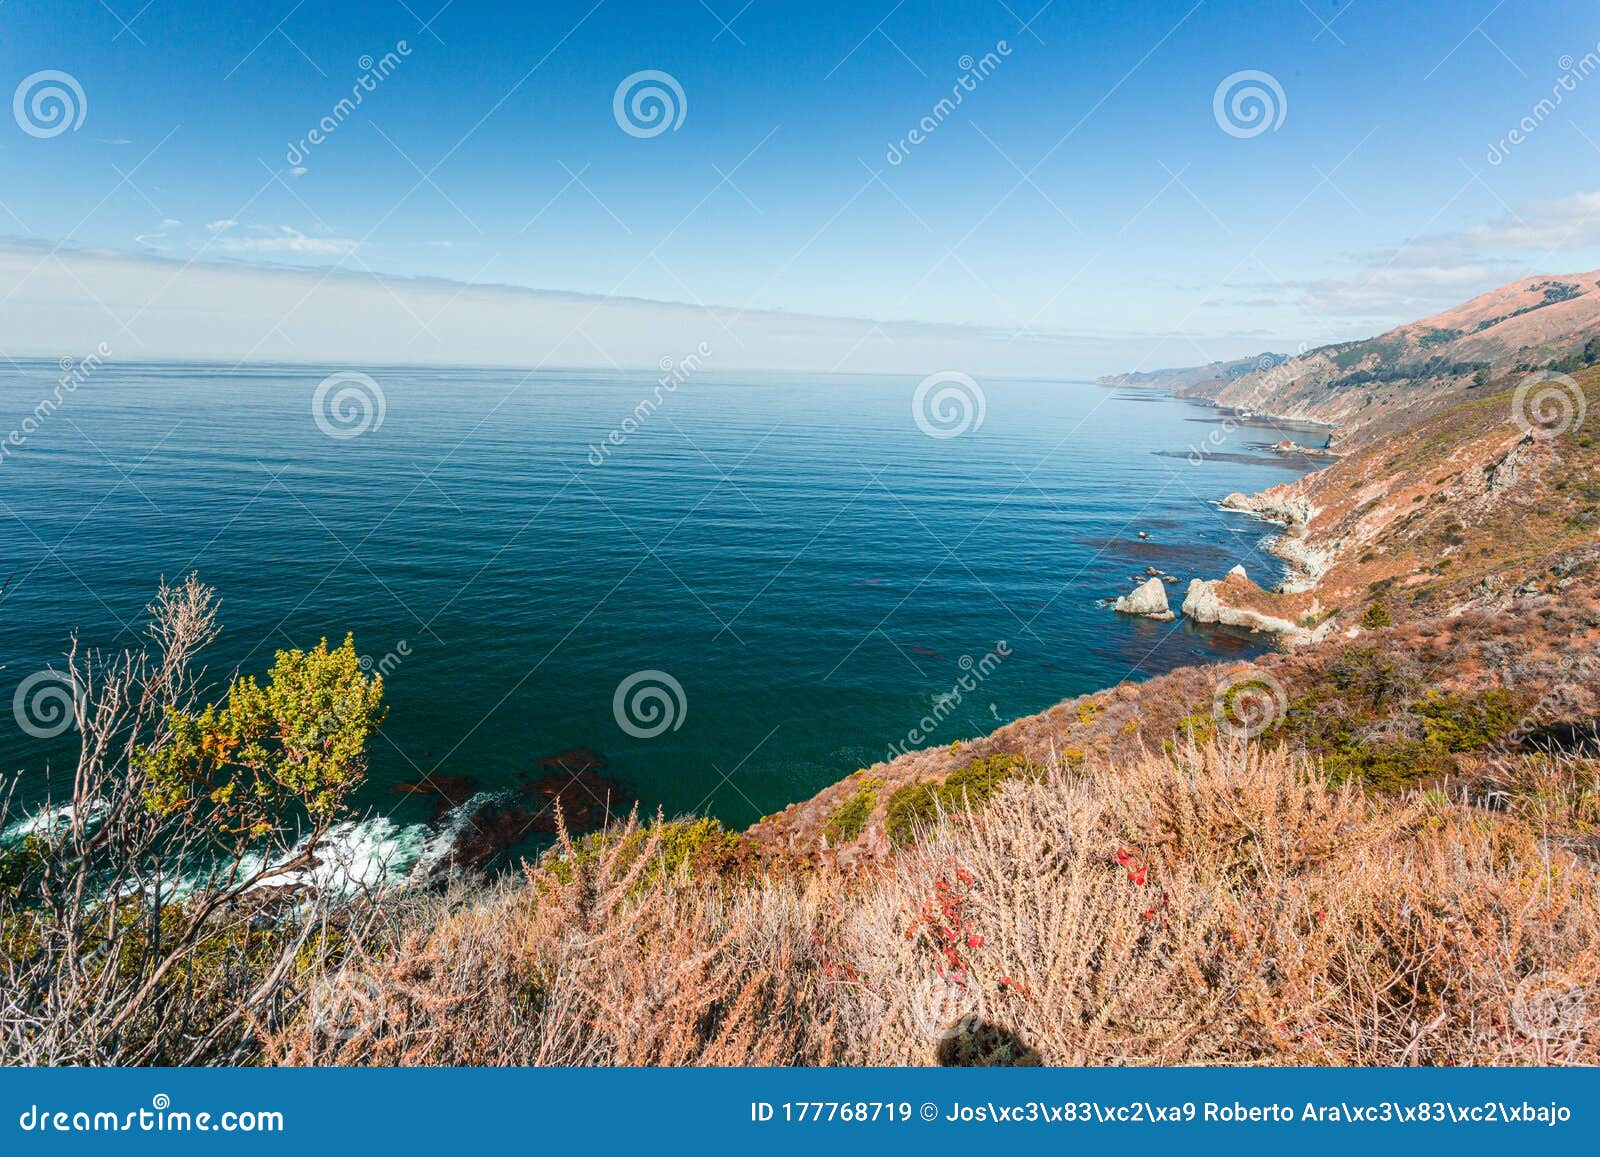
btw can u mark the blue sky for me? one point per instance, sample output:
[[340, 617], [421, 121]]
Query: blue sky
[[1082, 207]]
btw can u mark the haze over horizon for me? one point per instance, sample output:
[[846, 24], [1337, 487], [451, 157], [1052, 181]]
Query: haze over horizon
[[983, 187]]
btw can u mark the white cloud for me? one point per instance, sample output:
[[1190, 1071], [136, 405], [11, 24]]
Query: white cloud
[[1439, 270], [226, 310], [223, 223], [1553, 227], [288, 240]]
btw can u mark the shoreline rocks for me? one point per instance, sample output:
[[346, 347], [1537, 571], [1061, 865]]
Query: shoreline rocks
[[1298, 449], [1149, 600], [1279, 505], [473, 833], [451, 791], [1225, 601]]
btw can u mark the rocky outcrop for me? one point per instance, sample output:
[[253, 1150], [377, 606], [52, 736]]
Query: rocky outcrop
[[472, 835], [1287, 448], [586, 799], [1292, 510], [1228, 602], [451, 791], [1279, 504], [573, 761], [1505, 474], [1149, 600], [478, 832]]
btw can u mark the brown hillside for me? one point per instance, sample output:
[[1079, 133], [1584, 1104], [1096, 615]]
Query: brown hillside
[[1398, 376]]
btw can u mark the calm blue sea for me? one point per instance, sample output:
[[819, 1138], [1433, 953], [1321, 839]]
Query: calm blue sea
[[795, 552]]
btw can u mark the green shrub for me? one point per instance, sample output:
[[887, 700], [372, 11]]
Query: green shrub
[[691, 845], [846, 821], [1367, 694], [1393, 766], [1377, 616], [299, 739], [918, 804], [1460, 722]]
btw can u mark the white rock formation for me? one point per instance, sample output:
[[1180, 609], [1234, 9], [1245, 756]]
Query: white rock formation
[[1204, 604], [1149, 600]]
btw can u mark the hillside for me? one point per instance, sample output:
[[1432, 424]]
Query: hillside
[[1390, 380], [1462, 510]]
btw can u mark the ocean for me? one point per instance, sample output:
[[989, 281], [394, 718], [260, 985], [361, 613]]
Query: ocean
[[737, 587]]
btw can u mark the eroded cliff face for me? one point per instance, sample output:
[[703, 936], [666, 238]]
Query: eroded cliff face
[[1454, 512]]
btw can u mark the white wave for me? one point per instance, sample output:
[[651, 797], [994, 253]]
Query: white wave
[[350, 856], [41, 822]]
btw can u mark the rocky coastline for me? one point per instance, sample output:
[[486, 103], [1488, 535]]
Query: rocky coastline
[[1235, 600]]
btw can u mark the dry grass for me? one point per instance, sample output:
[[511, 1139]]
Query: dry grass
[[1222, 905]]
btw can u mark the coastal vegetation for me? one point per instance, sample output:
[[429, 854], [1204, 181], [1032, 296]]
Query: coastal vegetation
[[1227, 904], [168, 901], [1313, 896]]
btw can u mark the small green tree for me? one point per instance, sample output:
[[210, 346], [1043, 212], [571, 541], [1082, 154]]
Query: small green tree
[[300, 739], [139, 923], [1377, 616]]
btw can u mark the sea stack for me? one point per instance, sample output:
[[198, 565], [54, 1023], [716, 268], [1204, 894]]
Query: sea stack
[[1149, 600]]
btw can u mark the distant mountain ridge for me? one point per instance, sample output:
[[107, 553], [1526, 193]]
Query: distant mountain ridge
[[1539, 322], [1190, 377]]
